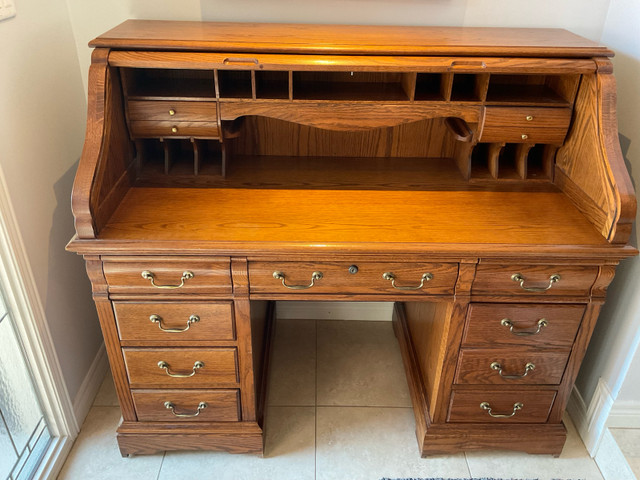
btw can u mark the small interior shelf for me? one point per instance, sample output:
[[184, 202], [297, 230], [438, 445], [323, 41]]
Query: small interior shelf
[[354, 86], [272, 85], [234, 84], [551, 90], [145, 83]]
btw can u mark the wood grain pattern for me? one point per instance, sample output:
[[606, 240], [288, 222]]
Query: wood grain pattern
[[465, 406], [222, 405]]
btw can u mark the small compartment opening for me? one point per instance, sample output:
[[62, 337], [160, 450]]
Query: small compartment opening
[[429, 87], [538, 162], [234, 84], [507, 162], [480, 161], [150, 83], [550, 90], [363, 86], [272, 84], [466, 88]]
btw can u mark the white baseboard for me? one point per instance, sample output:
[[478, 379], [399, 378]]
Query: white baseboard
[[90, 385], [371, 311], [591, 420], [611, 461], [624, 415]]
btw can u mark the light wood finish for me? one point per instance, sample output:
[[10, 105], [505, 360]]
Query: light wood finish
[[215, 321], [222, 405], [446, 159]]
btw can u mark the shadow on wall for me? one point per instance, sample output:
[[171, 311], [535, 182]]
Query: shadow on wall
[[69, 308]]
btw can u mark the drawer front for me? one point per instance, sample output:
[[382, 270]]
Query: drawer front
[[502, 366], [187, 405], [496, 406], [170, 111], [168, 277], [181, 367], [494, 324], [158, 128], [539, 280], [353, 278], [526, 124], [195, 321]]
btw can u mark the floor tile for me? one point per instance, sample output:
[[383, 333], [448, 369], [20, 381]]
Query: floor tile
[[106, 396], [574, 462], [292, 375], [95, 454], [628, 440], [611, 460], [359, 364], [289, 453], [373, 442]]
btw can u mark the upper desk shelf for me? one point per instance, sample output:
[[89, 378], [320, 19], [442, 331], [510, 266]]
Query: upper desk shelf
[[301, 108]]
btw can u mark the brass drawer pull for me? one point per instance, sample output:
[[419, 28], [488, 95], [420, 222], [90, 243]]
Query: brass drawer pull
[[508, 323], [172, 407], [314, 276], [516, 406], [519, 278], [158, 319], [529, 367], [390, 276], [165, 366], [186, 275]]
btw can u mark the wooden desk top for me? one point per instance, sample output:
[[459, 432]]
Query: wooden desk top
[[354, 39]]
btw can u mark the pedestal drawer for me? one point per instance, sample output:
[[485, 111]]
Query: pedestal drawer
[[181, 367], [189, 406], [168, 276], [533, 279], [511, 366], [353, 278], [494, 324], [196, 321], [498, 406]]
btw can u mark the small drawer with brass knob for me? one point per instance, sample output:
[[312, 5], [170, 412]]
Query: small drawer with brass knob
[[177, 111], [162, 129], [526, 124]]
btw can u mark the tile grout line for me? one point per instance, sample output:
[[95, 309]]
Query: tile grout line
[[466, 461], [161, 464]]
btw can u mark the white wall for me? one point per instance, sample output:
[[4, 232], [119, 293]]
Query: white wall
[[43, 112]]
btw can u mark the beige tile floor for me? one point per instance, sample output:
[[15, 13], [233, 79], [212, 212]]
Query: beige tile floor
[[628, 439], [338, 408]]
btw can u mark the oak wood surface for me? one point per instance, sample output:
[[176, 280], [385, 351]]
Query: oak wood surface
[[465, 406], [222, 405]]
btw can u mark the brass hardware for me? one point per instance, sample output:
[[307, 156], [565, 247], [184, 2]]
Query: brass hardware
[[186, 275], [353, 269], [529, 367], [174, 129], [505, 322], [314, 276], [517, 277], [390, 276], [525, 136], [529, 118], [172, 407], [486, 406], [165, 366], [158, 319], [172, 112]]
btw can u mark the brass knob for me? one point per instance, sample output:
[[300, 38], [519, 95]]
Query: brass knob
[[529, 118], [525, 136], [172, 112], [175, 130]]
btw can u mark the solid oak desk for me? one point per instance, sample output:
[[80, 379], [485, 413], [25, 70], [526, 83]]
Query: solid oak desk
[[472, 176]]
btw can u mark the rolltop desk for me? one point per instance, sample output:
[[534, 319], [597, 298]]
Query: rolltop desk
[[472, 176]]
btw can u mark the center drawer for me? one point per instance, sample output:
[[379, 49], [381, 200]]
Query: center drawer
[[181, 367], [353, 278]]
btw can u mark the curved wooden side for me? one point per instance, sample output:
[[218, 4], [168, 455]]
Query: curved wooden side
[[590, 167]]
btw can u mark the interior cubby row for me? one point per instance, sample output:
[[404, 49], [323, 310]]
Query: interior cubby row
[[512, 161], [179, 157], [538, 89]]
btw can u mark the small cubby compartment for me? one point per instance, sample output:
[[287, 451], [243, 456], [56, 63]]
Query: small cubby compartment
[[551, 90], [480, 162], [353, 86], [512, 161], [540, 161], [272, 85], [157, 83], [234, 84], [469, 87], [507, 162], [432, 87], [178, 157]]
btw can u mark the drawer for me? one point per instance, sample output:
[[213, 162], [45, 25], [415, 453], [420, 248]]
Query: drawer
[[173, 111], [168, 276], [181, 367], [526, 125], [187, 405], [511, 366], [539, 280], [497, 406], [195, 321], [353, 278], [159, 128], [494, 324]]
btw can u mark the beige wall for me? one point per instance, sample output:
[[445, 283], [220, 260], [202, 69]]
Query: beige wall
[[43, 109]]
